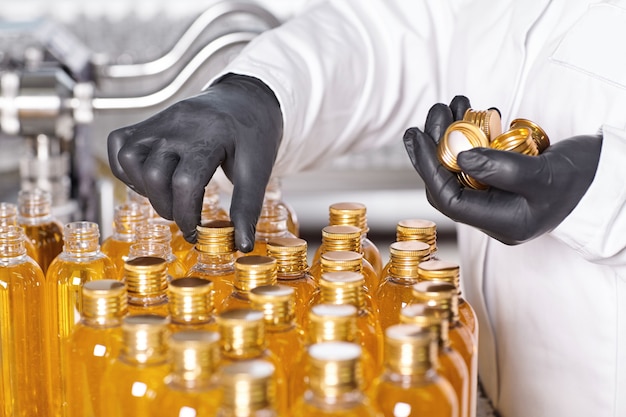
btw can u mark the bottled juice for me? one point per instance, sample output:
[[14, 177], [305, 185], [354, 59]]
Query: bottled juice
[[146, 281], [274, 196], [93, 344], [250, 272], [160, 233], [272, 223], [8, 217], [127, 217], [191, 304]]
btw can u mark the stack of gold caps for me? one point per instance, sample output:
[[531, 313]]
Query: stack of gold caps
[[487, 120], [516, 140], [418, 229]]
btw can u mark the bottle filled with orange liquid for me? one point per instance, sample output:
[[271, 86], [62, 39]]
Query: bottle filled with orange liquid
[[293, 270], [410, 385], [8, 217], [191, 304], [248, 390], [81, 261], [23, 368], [272, 223], [274, 196], [450, 363], [334, 383], [192, 386], [213, 257], [162, 234], [126, 218], [133, 379], [396, 288], [93, 344], [146, 281], [250, 272], [41, 228]]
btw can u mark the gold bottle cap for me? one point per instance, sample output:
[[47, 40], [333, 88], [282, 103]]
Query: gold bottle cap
[[489, 121], [290, 254], [332, 322], [8, 214], [432, 318], [253, 271], [341, 238], [12, 241], [145, 338], [243, 333], [459, 136], [405, 257], [190, 300], [277, 302], [343, 287], [127, 217], [335, 368], [145, 277], [417, 229], [538, 135], [248, 386], [349, 214], [409, 349], [216, 237], [195, 355], [516, 140], [441, 295], [104, 301], [437, 270], [470, 182], [336, 261], [81, 237]]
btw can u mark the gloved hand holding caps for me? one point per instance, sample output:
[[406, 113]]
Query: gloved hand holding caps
[[528, 195], [170, 157]]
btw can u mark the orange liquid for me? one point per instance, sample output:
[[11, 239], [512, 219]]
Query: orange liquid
[[304, 286], [358, 406], [392, 296], [432, 396], [287, 345], [371, 278], [372, 254], [452, 367], [462, 340], [47, 238], [117, 251], [23, 367], [175, 401], [220, 273]]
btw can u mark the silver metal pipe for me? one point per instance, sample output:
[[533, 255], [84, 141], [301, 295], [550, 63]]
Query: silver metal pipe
[[171, 58], [161, 96]]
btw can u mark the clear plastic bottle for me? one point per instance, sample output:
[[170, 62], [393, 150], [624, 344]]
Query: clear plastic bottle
[[340, 239], [334, 383], [283, 336], [146, 282], [94, 343], [445, 296], [41, 228], [161, 233], [8, 217], [450, 363], [250, 272], [213, 257], [126, 218], [242, 334], [81, 261], [132, 380], [248, 389], [211, 208], [410, 385], [272, 223], [347, 287], [274, 196], [192, 388], [396, 288], [191, 304], [23, 368], [293, 270]]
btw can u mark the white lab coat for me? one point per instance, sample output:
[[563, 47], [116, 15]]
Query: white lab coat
[[353, 75]]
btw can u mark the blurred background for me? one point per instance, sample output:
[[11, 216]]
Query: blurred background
[[73, 70]]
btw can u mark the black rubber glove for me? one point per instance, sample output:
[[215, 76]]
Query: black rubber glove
[[529, 195], [170, 157]]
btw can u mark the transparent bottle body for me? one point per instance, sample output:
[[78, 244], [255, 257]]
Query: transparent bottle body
[[64, 281], [47, 238], [304, 286], [354, 404], [451, 366], [180, 326], [235, 300], [462, 341], [117, 250], [158, 307], [372, 254], [131, 388], [23, 360], [91, 351], [392, 296], [287, 344], [433, 396], [220, 270], [177, 401], [260, 243]]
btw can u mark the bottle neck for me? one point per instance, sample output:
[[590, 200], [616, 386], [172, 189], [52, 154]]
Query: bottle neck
[[12, 243], [346, 294], [34, 207], [193, 369], [191, 305], [216, 262], [144, 347], [409, 359], [243, 340], [81, 239], [8, 215]]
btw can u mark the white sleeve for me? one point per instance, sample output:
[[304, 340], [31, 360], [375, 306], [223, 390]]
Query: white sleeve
[[349, 75], [595, 228]]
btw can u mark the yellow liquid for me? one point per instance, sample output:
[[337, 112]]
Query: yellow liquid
[[176, 268], [160, 309], [47, 238], [371, 278], [304, 286], [357, 407], [117, 251], [221, 275], [233, 301], [210, 326], [92, 351], [467, 315], [432, 396], [372, 254], [392, 296], [130, 389], [178, 402], [287, 345], [462, 341], [23, 377], [452, 367], [64, 282]]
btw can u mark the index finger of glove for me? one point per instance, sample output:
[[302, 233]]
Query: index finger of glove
[[459, 106], [115, 142]]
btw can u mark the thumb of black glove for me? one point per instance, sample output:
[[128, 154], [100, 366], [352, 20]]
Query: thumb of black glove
[[529, 195], [170, 157]]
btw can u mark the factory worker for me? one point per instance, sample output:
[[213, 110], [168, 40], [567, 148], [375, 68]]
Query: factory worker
[[543, 251]]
